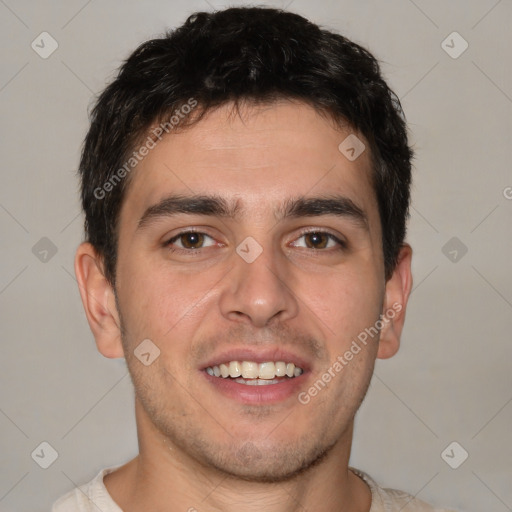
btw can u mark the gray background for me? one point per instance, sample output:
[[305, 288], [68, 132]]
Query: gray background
[[451, 380]]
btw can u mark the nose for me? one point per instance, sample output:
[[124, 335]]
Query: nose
[[259, 292]]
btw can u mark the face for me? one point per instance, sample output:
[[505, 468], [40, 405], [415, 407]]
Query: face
[[250, 244]]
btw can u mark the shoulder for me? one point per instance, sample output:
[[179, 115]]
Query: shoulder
[[393, 500], [88, 497]]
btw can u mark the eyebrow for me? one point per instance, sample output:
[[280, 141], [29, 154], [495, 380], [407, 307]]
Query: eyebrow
[[216, 206]]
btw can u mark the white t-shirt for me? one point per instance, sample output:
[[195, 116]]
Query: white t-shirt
[[94, 497]]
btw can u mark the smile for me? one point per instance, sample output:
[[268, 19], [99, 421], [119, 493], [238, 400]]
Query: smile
[[255, 374]]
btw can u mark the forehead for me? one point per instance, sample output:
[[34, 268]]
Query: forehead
[[260, 156]]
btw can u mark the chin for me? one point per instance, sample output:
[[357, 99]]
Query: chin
[[265, 464]]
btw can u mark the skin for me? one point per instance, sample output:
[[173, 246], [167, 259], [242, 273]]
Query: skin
[[198, 448]]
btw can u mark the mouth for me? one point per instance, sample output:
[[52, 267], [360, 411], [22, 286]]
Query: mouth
[[249, 377], [251, 373]]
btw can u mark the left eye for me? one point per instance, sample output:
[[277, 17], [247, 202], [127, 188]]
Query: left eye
[[318, 240], [191, 240]]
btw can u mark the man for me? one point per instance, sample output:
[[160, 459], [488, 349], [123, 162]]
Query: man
[[245, 182]]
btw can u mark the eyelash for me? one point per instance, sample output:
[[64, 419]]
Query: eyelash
[[342, 244]]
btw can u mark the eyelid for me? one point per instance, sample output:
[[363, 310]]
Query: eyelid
[[339, 240]]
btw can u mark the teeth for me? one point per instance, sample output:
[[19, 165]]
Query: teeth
[[252, 373], [257, 382], [267, 370], [235, 370], [280, 369], [224, 371], [249, 370]]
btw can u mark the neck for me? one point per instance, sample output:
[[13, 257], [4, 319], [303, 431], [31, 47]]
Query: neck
[[162, 474]]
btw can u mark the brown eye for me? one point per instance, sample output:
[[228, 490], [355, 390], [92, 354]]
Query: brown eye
[[192, 240], [316, 240]]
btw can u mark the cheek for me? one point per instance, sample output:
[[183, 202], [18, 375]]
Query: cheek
[[156, 299], [346, 301]]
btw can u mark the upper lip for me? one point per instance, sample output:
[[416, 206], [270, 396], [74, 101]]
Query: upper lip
[[258, 356]]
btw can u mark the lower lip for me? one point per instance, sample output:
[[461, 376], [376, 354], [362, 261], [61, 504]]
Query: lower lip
[[264, 394]]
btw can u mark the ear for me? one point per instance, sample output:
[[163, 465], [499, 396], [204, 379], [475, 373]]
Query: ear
[[99, 301], [398, 289]]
